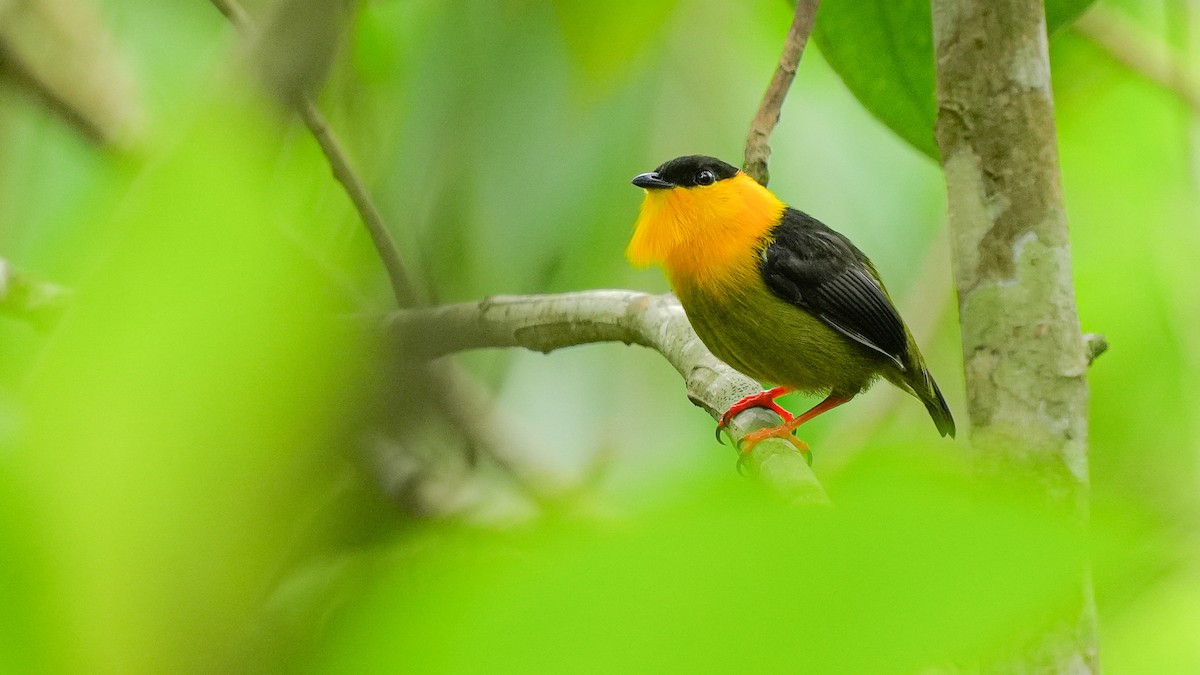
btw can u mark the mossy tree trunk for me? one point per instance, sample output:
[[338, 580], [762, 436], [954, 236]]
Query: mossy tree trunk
[[1024, 354]]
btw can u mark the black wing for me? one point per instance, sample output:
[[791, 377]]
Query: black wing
[[819, 270]]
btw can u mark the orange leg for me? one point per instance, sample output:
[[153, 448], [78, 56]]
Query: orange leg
[[786, 429], [763, 399]]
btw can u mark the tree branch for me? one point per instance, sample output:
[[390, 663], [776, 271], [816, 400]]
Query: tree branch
[[61, 55], [545, 323], [1023, 349], [758, 148], [14, 66]]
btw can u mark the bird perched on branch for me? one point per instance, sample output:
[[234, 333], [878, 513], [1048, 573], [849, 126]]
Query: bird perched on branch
[[775, 293]]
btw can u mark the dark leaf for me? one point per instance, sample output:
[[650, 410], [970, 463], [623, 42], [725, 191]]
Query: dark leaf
[[883, 51]]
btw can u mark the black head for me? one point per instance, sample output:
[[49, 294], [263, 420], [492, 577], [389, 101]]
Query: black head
[[688, 171]]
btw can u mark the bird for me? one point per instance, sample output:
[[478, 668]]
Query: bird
[[775, 293]]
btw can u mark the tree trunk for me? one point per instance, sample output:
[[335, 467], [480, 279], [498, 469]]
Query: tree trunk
[[1024, 355]]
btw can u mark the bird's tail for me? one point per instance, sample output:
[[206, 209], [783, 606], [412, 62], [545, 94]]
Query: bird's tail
[[918, 382], [935, 403]]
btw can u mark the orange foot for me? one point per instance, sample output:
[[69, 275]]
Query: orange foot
[[783, 431], [786, 429], [763, 399]]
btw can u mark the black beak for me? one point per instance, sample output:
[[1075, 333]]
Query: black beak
[[651, 181]]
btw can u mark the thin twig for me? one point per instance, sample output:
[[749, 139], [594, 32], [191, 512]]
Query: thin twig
[[339, 162], [758, 148], [1126, 43], [545, 323], [381, 236]]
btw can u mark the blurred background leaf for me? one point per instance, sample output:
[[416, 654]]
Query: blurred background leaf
[[726, 581], [172, 426]]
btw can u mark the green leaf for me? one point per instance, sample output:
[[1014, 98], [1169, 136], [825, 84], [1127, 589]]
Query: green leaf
[[883, 51]]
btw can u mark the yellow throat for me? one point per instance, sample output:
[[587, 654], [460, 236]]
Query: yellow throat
[[704, 235]]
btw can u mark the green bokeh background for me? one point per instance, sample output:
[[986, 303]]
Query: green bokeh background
[[180, 488]]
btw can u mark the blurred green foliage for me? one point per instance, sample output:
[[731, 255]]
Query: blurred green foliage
[[725, 580], [182, 475]]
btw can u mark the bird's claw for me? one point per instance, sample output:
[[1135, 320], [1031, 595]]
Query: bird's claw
[[782, 432], [762, 399]]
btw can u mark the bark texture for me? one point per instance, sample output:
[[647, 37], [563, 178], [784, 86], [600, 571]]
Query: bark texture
[[1024, 354]]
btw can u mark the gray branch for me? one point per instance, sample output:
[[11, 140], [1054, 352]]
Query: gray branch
[[545, 323]]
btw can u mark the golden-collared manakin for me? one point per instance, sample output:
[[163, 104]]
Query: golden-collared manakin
[[775, 293]]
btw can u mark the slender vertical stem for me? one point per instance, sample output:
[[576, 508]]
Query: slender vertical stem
[[385, 245], [758, 147]]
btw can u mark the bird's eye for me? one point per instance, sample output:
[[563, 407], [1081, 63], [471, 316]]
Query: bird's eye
[[706, 177]]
